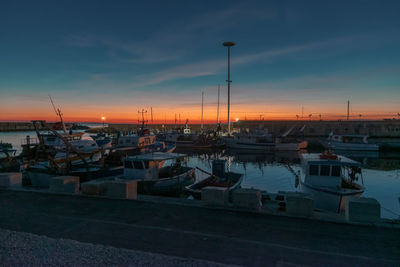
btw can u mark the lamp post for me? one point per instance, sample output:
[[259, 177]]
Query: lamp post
[[229, 45]]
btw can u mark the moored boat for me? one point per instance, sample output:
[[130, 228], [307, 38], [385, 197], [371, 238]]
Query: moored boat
[[349, 142], [156, 179], [331, 179], [218, 178]]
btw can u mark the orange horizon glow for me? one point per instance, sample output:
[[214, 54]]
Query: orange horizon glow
[[209, 118], [165, 113]]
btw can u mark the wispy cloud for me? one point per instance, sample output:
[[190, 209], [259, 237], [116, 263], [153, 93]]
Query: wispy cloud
[[175, 39]]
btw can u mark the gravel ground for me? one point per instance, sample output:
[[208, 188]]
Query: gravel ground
[[24, 249]]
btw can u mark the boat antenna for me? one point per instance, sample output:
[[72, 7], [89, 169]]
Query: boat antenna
[[59, 114]]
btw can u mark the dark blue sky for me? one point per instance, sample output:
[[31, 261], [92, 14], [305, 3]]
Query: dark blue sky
[[113, 57]]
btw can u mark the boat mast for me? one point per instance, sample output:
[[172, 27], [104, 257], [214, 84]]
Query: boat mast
[[202, 108], [59, 114], [151, 112], [348, 109], [218, 105]]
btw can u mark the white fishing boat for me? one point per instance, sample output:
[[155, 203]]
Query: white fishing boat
[[349, 142], [331, 179], [154, 178], [141, 140], [182, 139]]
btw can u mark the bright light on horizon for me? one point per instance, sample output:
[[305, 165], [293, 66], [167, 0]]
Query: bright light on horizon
[[237, 119]]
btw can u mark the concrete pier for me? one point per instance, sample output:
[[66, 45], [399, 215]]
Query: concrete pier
[[224, 236]]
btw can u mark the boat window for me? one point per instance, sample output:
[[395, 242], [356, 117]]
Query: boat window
[[128, 164], [325, 170], [335, 171], [51, 139], [139, 164], [313, 169]]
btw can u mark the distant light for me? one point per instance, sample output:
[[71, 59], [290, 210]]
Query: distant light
[[237, 119], [103, 118]]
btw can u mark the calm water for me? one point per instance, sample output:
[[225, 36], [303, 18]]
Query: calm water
[[381, 172]]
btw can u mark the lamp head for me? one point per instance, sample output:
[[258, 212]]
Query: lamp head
[[228, 44]]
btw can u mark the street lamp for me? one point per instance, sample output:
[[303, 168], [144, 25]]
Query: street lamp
[[229, 45], [103, 119]]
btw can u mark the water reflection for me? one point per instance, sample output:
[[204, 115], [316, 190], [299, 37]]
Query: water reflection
[[269, 171]]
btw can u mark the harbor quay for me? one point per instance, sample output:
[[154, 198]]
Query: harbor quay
[[315, 128], [198, 231]]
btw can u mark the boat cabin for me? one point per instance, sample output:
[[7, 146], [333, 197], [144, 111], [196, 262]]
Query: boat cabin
[[148, 166], [136, 141], [52, 140], [328, 170]]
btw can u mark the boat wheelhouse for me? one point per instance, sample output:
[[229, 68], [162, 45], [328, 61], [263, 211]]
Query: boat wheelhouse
[[136, 141], [154, 178], [331, 179]]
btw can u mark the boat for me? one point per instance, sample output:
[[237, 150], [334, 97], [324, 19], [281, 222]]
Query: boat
[[136, 141], [141, 140], [103, 140], [8, 162], [156, 179], [218, 178], [182, 139], [349, 142], [331, 179], [256, 141]]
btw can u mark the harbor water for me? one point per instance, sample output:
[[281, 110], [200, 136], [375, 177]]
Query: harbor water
[[270, 172]]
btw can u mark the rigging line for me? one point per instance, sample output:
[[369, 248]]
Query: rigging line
[[390, 211]]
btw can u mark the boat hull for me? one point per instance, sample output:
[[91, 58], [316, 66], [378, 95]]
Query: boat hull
[[237, 144], [351, 146], [167, 186], [326, 200], [195, 189]]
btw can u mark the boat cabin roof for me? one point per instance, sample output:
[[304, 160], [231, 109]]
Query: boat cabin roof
[[314, 158], [156, 156]]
